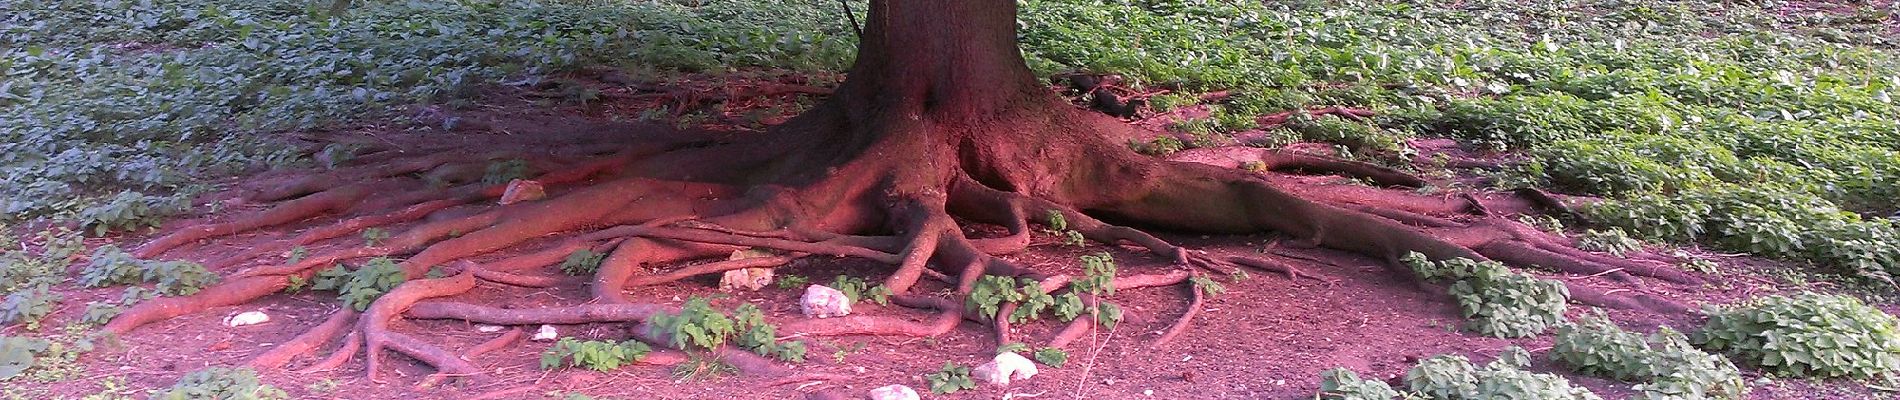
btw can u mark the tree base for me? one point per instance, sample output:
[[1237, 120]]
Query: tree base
[[897, 187]]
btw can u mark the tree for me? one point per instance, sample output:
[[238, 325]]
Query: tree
[[939, 121]]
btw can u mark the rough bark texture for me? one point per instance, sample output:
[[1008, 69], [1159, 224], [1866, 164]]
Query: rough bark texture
[[939, 123]]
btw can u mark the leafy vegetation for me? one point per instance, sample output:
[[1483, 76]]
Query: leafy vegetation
[[1665, 363], [1736, 124], [1343, 384], [1806, 335], [1452, 377], [700, 327], [950, 379], [1052, 357], [28, 306], [593, 354], [582, 262], [112, 266], [856, 288], [125, 103], [1497, 301], [222, 383], [360, 287]]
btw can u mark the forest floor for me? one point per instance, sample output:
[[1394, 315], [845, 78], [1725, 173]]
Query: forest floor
[[1266, 338]]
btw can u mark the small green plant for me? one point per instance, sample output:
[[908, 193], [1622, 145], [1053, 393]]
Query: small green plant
[[504, 171], [1811, 335], [950, 379], [374, 236], [1207, 286], [1454, 377], [334, 155], [18, 354], [759, 337], [1059, 226], [1159, 146], [839, 353], [112, 266], [1613, 241], [28, 307], [222, 383], [1052, 357], [856, 289], [128, 211], [582, 262], [1343, 384], [697, 326], [1665, 365], [1496, 300], [790, 281], [358, 288], [593, 354]]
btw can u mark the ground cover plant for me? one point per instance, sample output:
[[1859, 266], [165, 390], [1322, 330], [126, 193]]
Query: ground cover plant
[[1738, 127]]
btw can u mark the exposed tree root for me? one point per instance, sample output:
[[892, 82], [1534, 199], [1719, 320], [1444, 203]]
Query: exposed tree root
[[499, 342], [307, 341], [1180, 325]]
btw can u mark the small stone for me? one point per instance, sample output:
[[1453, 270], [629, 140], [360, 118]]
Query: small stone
[[521, 190], [488, 328], [894, 392], [546, 333], [1004, 368], [824, 302], [247, 318], [749, 279]]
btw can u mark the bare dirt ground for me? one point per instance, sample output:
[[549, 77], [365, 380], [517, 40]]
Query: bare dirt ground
[[1267, 337]]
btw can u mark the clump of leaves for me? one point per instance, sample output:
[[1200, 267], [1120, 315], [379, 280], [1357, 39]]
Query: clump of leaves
[[1343, 384], [582, 262], [222, 383], [1613, 241], [28, 307], [112, 266], [1807, 335], [1052, 357], [790, 281], [760, 337], [373, 237], [855, 288], [1454, 377], [17, 354], [697, 325], [1665, 364], [950, 379], [1059, 226], [1496, 300], [360, 287], [129, 210], [593, 354], [504, 171]]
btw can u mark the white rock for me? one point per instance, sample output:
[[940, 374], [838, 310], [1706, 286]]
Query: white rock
[[749, 279], [1004, 368], [546, 333], [488, 328], [894, 392], [821, 301], [247, 318], [522, 190]]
